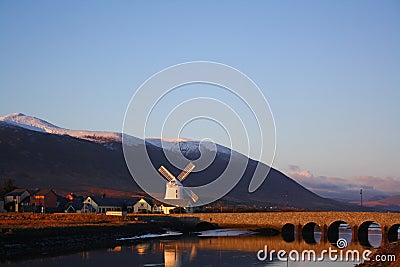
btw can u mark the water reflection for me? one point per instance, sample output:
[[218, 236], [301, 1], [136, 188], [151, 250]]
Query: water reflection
[[172, 257], [374, 235], [115, 249], [141, 248], [194, 251]]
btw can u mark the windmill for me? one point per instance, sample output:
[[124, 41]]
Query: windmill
[[174, 188]]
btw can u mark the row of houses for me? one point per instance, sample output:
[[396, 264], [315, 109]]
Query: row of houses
[[48, 201], [20, 200], [130, 205]]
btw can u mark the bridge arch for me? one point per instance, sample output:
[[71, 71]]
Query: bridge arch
[[363, 235], [308, 232], [393, 233], [277, 220], [334, 232], [288, 232]]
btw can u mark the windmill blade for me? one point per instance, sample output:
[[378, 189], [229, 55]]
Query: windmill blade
[[188, 169], [191, 194], [166, 173]]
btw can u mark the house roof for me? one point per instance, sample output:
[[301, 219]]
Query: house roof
[[76, 204], [168, 205], [33, 191], [118, 202], [62, 200], [17, 192], [159, 203], [148, 200], [43, 192]]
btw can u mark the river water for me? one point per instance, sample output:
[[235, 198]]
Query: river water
[[195, 251]]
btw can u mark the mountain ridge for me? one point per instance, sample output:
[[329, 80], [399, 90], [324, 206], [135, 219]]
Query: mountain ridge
[[39, 125], [70, 163]]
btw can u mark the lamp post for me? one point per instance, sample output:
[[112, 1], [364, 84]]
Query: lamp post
[[361, 204]]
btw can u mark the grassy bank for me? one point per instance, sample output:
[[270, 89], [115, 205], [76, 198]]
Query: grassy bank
[[34, 220]]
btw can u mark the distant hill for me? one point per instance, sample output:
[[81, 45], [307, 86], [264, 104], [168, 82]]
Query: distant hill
[[389, 203], [72, 162]]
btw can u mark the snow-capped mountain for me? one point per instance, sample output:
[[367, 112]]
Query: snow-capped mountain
[[189, 148], [35, 153], [39, 125]]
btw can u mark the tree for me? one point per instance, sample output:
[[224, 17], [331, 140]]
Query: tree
[[7, 187]]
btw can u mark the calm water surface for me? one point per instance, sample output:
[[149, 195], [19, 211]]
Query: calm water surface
[[194, 251]]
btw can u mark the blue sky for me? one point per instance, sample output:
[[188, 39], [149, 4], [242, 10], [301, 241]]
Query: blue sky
[[330, 70]]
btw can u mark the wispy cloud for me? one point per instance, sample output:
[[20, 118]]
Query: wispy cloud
[[336, 187], [294, 168]]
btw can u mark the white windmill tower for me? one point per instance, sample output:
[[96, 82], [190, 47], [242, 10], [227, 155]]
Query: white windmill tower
[[174, 190]]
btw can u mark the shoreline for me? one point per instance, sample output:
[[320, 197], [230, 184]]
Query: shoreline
[[26, 236], [29, 243]]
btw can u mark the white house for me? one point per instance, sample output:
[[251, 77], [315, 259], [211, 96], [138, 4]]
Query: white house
[[166, 209], [102, 205], [143, 206], [135, 205], [163, 208], [15, 198]]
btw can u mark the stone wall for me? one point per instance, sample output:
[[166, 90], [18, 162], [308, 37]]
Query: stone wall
[[277, 220]]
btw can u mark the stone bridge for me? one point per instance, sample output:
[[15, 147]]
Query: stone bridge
[[302, 225]]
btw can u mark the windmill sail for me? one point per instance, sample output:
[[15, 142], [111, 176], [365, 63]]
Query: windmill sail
[[191, 194], [188, 169], [174, 189], [166, 173]]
